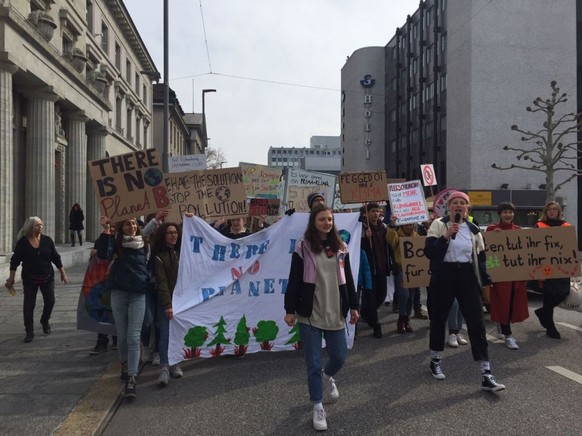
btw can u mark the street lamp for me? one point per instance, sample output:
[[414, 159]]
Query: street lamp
[[205, 143]]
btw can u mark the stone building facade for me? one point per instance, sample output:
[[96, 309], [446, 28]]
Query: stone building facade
[[75, 85]]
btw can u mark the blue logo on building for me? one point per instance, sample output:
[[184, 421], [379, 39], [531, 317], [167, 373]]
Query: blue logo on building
[[367, 81]]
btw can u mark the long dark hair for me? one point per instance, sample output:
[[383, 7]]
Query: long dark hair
[[334, 241], [159, 239]]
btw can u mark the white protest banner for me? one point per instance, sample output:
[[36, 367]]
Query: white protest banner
[[261, 181], [129, 185], [407, 202], [229, 298], [428, 175], [191, 162], [301, 183]]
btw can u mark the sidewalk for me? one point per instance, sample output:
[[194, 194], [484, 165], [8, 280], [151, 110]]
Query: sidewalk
[[42, 382]]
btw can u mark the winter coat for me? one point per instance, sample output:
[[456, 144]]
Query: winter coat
[[166, 269], [76, 219]]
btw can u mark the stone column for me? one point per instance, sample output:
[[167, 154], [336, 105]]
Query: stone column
[[96, 149], [7, 188], [39, 167], [76, 169]]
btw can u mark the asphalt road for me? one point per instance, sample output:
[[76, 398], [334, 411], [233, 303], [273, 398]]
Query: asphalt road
[[385, 388]]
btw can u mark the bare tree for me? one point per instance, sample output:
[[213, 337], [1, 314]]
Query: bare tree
[[552, 149], [215, 158]]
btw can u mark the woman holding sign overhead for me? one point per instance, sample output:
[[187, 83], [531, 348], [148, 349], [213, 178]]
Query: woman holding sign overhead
[[554, 290], [456, 252], [320, 294]]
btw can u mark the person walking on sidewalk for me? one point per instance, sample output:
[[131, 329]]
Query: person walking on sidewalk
[[456, 251], [129, 281], [508, 300], [76, 219], [554, 290], [37, 253], [166, 258], [319, 295]]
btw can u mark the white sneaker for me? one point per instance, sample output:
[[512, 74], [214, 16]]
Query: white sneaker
[[499, 334], [176, 371], [453, 340], [146, 354], [511, 343], [319, 421], [164, 377], [461, 340], [331, 388], [156, 359]]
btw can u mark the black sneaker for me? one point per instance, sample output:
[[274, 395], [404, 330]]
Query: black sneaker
[[29, 337], [99, 349], [436, 370], [46, 328], [129, 392], [377, 331], [488, 383]]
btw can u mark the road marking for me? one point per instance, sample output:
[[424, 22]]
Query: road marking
[[566, 373], [570, 326], [494, 339]]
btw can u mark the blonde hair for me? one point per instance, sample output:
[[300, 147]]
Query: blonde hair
[[547, 206], [28, 227]]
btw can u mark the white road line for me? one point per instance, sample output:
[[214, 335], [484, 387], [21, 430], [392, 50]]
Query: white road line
[[494, 339], [570, 326], [566, 373]]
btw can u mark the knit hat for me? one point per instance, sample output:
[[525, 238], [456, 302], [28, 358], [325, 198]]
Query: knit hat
[[458, 194], [312, 197]]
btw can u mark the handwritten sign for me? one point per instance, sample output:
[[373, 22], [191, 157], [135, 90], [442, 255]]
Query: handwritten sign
[[261, 181], [363, 186], [300, 184], [407, 202], [209, 194], [129, 185], [415, 266], [532, 254], [264, 206], [191, 162]]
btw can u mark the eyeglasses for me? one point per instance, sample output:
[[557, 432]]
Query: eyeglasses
[[171, 233], [553, 208]]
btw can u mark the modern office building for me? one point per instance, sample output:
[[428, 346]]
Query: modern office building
[[323, 155], [458, 75], [75, 85]]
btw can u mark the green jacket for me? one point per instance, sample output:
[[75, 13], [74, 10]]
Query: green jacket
[[166, 268]]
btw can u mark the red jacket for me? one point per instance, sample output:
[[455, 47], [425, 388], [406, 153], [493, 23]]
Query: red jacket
[[503, 292]]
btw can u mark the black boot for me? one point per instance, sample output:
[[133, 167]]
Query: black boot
[[80, 239], [29, 336]]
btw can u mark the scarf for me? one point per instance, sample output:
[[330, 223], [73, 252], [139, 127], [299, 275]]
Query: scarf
[[135, 242]]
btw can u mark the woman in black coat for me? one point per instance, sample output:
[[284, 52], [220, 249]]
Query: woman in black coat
[[76, 219]]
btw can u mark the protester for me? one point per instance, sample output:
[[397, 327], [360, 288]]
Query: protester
[[554, 290], [508, 300], [456, 252], [76, 219], [379, 255], [319, 295], [129, 281], [37, 253], [166, 258], [315, 199], [236, 227]]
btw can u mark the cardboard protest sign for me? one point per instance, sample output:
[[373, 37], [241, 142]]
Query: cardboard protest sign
[[407, 202], [264, 206], [129, 185], [440, 201], [359, 187], [209, 194], [415, 265], [532, 254], [299, 184], [261, 181], [192, 162]]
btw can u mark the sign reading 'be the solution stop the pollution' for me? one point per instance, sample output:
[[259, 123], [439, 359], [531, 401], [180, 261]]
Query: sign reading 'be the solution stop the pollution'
[[363, 186], [532, 254], [129, 185]]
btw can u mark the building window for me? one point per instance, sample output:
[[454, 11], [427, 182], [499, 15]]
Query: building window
[[137, 83], [443, 42], [393, 146], [443, 123], [145, 135], [443, 80], [118, 113], [128, 71], [145, 95], [137, 131], [429, 129], [117, 56], [104, 38], [128, 123], [89, 5]]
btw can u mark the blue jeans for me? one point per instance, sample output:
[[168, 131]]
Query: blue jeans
[[455, 320], [337, 350], [128, 311], [164, 334], [150, 321]]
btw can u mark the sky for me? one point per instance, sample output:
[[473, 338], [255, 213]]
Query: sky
[[275, 64]]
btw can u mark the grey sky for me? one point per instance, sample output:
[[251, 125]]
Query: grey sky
[[303, 42]]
